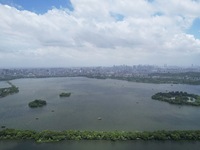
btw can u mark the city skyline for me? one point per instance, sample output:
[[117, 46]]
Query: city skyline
[[74, 33]]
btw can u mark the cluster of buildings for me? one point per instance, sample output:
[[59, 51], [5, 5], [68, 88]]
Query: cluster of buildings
[[99, 72]]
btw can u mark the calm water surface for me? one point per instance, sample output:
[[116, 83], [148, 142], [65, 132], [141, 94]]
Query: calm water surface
[[100, 145], [122, 105]]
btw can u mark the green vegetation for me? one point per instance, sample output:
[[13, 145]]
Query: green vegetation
[[192, 78], [177, 78], [180, 98], [65, 94], [55, 136], [8, 91], [37, 103]]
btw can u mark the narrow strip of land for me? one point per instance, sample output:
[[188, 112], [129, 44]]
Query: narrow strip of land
[[55, 136], [8, 90]]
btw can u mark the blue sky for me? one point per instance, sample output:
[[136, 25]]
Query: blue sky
[[64, 33], [38, 6], [195, 28]]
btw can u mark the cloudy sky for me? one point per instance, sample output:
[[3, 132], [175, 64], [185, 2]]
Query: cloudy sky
[[64, 33]]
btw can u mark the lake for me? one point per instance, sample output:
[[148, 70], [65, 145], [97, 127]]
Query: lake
[[100, 145], [121, 105]]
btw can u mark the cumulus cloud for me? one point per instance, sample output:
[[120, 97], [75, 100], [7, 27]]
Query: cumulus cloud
[[103, 32]]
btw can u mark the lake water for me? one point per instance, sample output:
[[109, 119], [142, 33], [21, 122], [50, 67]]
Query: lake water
[[122, 105], [100, 145]]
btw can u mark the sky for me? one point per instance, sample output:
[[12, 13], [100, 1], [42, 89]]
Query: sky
[[64, 33]]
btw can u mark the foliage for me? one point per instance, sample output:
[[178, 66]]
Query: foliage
[[8, 91], [55, 136], [191, 78], [37, 103], [65, 94], [180, 98]]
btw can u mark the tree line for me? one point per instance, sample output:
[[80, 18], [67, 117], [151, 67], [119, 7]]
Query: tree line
[[55, 136]]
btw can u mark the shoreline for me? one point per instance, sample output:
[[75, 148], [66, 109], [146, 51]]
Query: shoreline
[[47, 136]]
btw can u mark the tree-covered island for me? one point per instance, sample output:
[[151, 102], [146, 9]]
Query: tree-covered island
[[37, 103], [65, 94], [180, 98], [9, 90]]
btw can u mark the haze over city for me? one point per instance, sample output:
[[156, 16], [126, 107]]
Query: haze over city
[[66, 33]]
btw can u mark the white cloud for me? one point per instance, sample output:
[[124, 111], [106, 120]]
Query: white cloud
[[90, 35]]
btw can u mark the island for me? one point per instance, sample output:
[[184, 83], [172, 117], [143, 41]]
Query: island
[[65, 94], [55, 136], [178, 97], [9, 90], [37, 103]]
